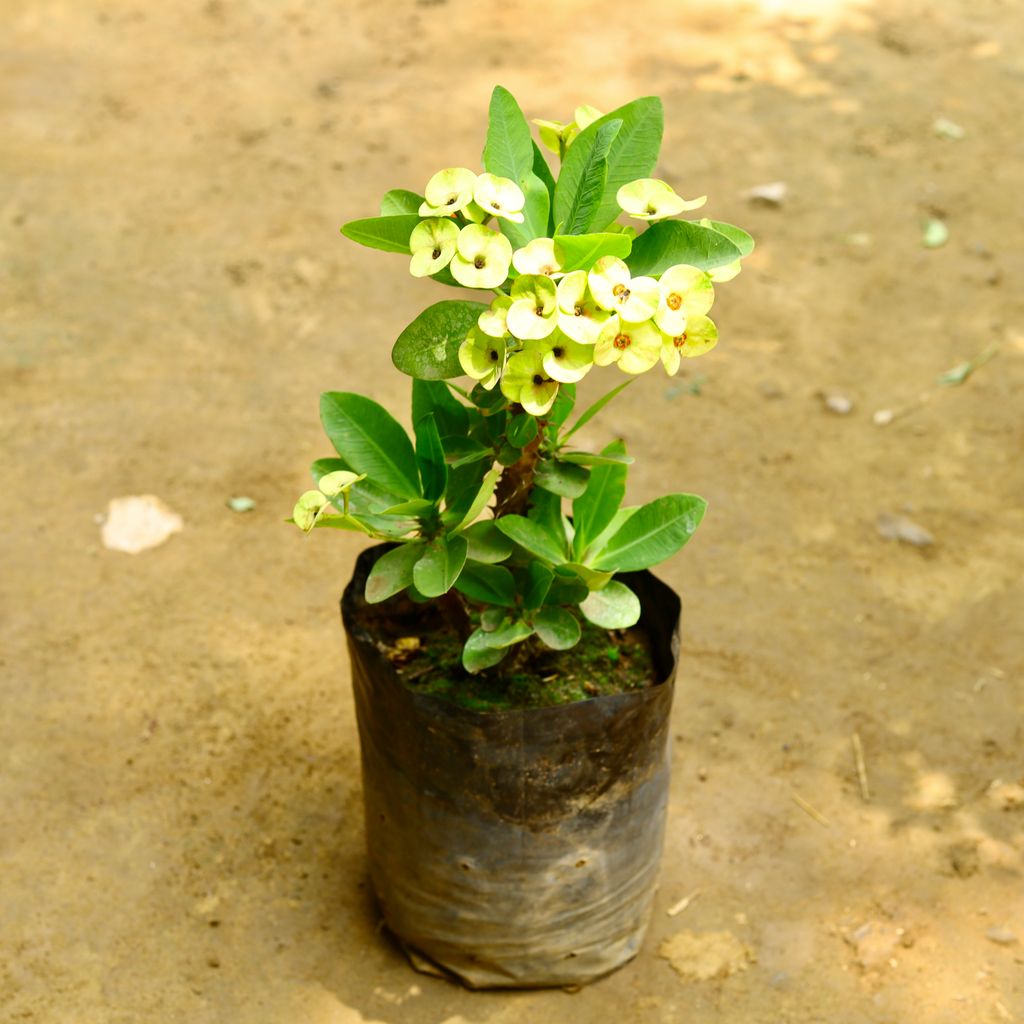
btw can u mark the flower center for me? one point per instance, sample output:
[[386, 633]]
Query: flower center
[[651, 210], [451, 200], [479, 263], [495, 205], [539, 311], [674, 300], [577, 310], [494, 356], [680, 341], [436, 254], [538, 379], [621, 292], [622, 341], [558, 352]]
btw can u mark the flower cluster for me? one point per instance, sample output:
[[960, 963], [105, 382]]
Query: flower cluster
[[456, 202], [549, 326], [553, 326]]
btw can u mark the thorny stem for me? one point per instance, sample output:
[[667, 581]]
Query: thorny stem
[[516, 483]]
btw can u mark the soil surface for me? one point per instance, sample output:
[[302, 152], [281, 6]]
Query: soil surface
[[182, 835]]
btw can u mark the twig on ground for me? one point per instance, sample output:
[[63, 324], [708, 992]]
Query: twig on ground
[[862, 771], [811, 811]]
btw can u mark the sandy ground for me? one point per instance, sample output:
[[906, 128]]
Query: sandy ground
[[181, 836]]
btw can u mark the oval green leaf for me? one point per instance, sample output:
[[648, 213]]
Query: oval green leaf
[[614, 607], [429, 347], [557, 627], [670, 242], [656, 531], [371, 441]]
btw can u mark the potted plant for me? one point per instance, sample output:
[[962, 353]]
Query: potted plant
[[512, 658]]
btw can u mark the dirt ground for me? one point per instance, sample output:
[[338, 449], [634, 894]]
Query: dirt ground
[[181, 836]]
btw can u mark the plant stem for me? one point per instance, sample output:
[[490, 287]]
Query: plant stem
[[516, 483]]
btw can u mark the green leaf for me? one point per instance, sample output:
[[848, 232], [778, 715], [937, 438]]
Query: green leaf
[[655, 532], [557, 628], [546, 509], [413, 507], [392, 572], [429, 347], [592, 459], [391, 234], [461, 451], [562, 478], [480, 499], [477, 654], [491, 584], [522, 430], [463, 484], [581, 252], [614, 607], [508, 455], [590, 188], [594, 509], [538, 582], [486, 542], [669, 242], [399, 201], [740, 238], [631, 155], [543, 171], [430, 458], [593, 410], [439, 565], [618, 521], [567, 590], [532, 536], [595, 579], [434, 396], [371, 441], [564, 401], [509, 633], [508, 152]]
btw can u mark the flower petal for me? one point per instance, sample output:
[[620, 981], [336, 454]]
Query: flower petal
[[501, 197], [450, 189], [607, 278], [537, 257]]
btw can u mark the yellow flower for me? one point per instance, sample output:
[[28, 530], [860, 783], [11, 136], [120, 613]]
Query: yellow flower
[[534, 310], [482, 257], [635, 347], [653, 199], [501, 197], [537, 257], [482, 357], [579, 316], [433, 244], [685, 292], [700, 336], [527, 382], [634, 298], [308, 510], [558, 136], [449, 191], [563, 359], [493, 321]]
